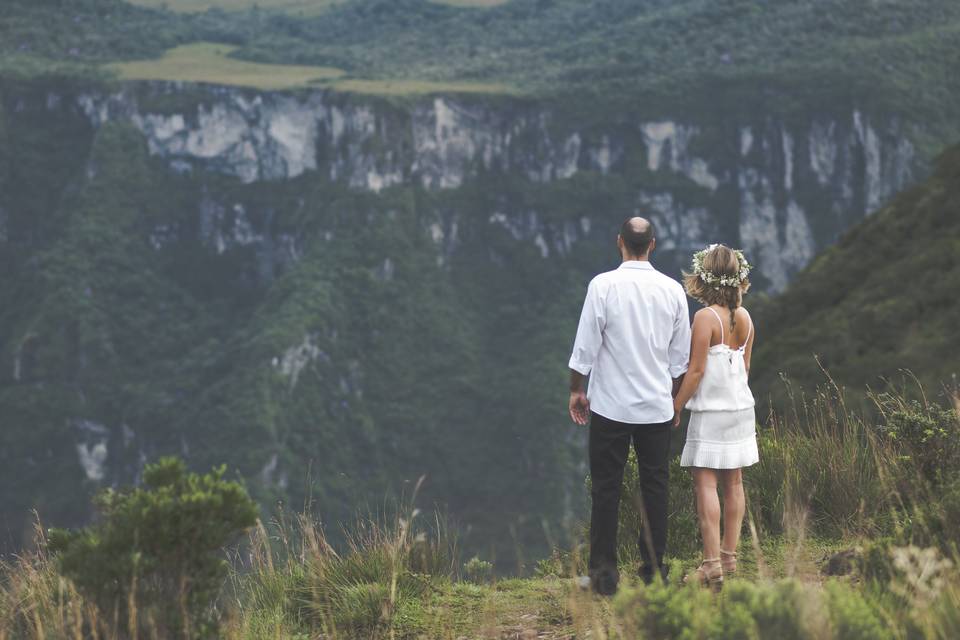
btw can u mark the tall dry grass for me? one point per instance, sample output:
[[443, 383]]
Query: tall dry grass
[[826, 471], [293, 581], [36, 602]]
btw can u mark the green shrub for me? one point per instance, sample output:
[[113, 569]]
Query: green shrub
[[786, 610], [852, 616], [153, 558], [823, 468], [925, 433], [477, 570], [663, 610]]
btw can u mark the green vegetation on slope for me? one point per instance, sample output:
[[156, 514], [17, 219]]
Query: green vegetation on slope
[[684, 55], [618, 50], [890, 571], [353, 358], [84, 31], [126, 323], [881, 300]]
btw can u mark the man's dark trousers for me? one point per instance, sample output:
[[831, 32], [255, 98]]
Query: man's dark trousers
[[609, 448]]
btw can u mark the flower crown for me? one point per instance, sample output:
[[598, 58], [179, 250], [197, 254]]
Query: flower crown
[[715, 280]]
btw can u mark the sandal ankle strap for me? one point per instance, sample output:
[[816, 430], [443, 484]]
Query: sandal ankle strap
[[724, 552]]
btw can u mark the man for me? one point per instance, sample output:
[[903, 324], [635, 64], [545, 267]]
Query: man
[[634, 343]]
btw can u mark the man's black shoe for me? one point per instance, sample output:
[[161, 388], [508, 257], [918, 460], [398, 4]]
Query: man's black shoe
[[604, 584]]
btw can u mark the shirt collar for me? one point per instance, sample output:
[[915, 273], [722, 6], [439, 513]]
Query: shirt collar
[[635, 264]]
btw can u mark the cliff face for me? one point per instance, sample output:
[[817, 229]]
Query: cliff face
[[336, 295], [782, 190]]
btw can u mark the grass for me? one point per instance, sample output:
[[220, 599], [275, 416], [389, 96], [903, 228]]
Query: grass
[[400, 576], [471, 3], [209, 62], [313, 590], [412, 87]]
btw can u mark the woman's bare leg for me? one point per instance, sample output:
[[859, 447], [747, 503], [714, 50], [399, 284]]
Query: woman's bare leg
[[708, 510], [734, 506]]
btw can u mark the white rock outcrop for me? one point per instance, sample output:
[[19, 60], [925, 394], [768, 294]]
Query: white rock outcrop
[[782, 174]]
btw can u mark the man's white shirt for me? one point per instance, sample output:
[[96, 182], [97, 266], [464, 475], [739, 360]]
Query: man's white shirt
[[633, 340]]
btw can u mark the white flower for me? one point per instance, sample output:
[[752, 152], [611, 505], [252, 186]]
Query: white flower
[[711, 278]]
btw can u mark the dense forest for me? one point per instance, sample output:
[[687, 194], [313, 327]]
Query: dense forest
[[607, 52]]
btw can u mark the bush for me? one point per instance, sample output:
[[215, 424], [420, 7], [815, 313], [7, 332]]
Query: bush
[[852, 616], [925, 433], [152, 559], [786, 610], [823, 467], [477, 570]]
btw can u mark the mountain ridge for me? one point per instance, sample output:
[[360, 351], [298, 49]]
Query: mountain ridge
[[876, 304]]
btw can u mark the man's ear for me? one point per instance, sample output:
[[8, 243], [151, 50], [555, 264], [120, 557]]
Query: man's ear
[[653, 245]]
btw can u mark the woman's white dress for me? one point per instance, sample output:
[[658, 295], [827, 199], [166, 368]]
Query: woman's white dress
[[722, 431]]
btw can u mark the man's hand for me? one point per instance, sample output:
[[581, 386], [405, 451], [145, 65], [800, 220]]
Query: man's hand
[[579, 407], [677, 412]]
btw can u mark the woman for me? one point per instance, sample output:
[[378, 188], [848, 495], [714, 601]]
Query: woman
[[721, 437]]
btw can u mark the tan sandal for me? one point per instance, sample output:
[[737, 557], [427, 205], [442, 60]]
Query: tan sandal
[[707, 576], [728, 560]]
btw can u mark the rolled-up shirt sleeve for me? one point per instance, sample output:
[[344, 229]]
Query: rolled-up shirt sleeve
[[679, 352], [589, 332]]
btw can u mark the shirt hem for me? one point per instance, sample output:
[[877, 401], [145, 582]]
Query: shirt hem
[[603, 414]]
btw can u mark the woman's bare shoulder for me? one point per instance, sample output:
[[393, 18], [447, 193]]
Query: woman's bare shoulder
[[704, 317]]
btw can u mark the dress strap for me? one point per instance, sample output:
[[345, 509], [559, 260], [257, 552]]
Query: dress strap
[[749, 332], [721, 324]]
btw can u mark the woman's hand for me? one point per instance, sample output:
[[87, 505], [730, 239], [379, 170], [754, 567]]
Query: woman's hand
[[677, 412]]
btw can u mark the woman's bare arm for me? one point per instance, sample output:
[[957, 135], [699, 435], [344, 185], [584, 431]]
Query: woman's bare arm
[[699, 347], [748, 348]]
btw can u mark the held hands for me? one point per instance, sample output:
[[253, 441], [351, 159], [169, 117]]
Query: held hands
[[677, 412], [579, 407]]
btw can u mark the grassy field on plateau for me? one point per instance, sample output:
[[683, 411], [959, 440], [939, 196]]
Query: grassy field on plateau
[[307, 7], [471, 3], [211, 63]]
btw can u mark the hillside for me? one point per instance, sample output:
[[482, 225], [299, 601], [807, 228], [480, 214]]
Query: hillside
[[882, 300], [605, 53]]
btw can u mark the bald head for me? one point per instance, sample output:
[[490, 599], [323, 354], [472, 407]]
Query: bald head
[[637, 236]]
